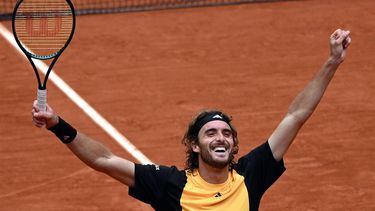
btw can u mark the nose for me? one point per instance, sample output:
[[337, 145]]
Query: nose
[[220, 137]]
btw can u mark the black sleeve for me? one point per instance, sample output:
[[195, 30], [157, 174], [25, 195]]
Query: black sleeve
[[150, 182], [260, 169]]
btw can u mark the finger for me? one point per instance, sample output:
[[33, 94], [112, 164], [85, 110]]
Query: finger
[[35, 106], [40, 125], [343, 36], [38, 122], [336, 34], [339, 36], [38, 118], [347, 42], [49, 109], [40, 115]]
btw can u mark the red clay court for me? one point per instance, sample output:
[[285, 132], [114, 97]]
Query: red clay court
[[150, 77]]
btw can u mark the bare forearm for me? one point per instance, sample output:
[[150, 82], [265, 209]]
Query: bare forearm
[[89, 151], [307, 100]]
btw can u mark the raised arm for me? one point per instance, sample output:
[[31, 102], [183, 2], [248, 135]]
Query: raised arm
[[306, 101], [91, 152]]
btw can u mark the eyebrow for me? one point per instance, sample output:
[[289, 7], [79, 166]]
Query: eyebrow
[[215, 129]]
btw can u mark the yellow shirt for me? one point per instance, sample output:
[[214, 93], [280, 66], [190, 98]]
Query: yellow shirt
[[198, 195]]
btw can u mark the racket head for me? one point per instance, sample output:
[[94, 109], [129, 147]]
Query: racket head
[[43, 28]]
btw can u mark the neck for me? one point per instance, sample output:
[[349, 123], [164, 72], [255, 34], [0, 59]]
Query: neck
[[213, 175]]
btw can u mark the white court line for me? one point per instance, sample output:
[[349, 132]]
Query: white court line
[[81, 103]]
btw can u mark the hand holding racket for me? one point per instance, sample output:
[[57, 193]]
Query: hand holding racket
[[43, 29], [45, 119]]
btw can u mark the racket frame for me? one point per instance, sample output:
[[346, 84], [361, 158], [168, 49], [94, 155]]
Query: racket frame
[[42, 87]]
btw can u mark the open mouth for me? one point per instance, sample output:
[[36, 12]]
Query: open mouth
[[220, 149]]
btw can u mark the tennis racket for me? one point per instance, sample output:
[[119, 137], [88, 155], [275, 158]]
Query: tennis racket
[[43, 29]]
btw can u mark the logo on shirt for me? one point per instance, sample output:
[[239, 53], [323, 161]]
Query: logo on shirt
[[157, 167], [218, 194]]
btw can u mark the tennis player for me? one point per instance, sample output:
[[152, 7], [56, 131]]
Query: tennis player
[[212, 179]]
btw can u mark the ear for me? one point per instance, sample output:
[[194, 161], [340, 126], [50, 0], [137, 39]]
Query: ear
[[195, 147]]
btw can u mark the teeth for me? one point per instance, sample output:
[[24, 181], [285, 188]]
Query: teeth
[[220, 149]]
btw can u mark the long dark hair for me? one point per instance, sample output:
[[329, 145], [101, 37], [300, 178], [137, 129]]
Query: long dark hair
[[191, 137]]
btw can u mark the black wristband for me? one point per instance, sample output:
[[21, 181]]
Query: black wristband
[[64, 131]]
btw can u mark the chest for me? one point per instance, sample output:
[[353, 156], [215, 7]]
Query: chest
[[230, 196]]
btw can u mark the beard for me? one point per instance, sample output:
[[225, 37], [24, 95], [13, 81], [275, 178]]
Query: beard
[[219, 164]]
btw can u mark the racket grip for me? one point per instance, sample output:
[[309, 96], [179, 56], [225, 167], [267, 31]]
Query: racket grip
[[42, 99]]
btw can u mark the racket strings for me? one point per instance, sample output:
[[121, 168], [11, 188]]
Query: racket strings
[[43, 26]]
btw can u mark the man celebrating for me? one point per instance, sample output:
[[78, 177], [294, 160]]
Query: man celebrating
[[211, 180]]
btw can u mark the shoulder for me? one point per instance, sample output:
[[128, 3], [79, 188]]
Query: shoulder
[[153, 181], [158, 171], [259, 157], [263, 150]]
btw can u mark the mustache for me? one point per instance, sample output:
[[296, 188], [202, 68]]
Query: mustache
[[215, 144]]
